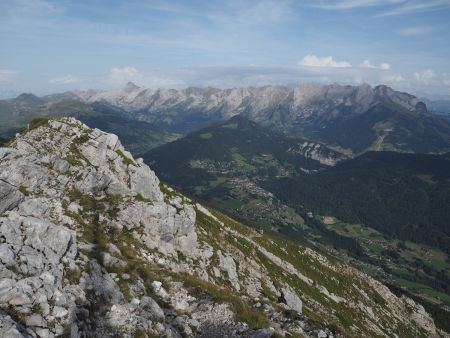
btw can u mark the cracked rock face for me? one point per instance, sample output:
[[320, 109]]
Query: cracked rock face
[[10, 196], [92, 245], [40, 174]]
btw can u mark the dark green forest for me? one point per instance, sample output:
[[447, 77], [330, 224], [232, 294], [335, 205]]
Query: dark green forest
[[406, 196]]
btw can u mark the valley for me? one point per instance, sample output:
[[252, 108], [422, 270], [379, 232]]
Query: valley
[[235, 170], [384, 211]]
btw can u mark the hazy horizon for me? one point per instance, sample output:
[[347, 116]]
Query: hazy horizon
[[54, 46]]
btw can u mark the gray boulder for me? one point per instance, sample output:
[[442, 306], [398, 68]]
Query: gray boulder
[[9, 328], [10, 196], [290, 298], [263, 333], [149, 305]]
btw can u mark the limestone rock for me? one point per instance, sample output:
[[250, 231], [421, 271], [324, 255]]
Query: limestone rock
[[10, 196], [148, 304], [226, 263], [290, 298], [10, 328]]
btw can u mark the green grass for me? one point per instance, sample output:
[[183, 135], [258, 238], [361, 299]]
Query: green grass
[[245, 313], [375, 245], [423, 289], [126, 160], [206, 136], [24, 190], [38, 122], [141, 198]]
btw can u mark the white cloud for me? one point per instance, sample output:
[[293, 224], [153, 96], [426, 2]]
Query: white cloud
[[425, 76], [382, 66], [8, 75], [415, 31], [327, 61], [156, 79], [350, 4], [125, 74], [417, 6], [66, 79], [389, 7]]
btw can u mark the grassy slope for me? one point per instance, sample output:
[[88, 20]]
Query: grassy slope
[[220, 175]]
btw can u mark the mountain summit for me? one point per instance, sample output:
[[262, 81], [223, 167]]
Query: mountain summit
[[93, 245], [351, 118], [130, 86]]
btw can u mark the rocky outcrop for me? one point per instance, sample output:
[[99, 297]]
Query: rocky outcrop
[[93, 245], [317, 152], [291, 299], [10, 196]]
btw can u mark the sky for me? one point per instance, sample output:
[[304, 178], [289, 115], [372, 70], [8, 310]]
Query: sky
[[49, 46]]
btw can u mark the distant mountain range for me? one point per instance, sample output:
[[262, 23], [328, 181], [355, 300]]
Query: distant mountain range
[[440, 106], [350, 119]]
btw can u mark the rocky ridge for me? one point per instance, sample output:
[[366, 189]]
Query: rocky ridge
[[93, 245], [305, 100], [351, 119]]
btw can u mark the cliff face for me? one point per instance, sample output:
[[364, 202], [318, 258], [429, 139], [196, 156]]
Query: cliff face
[[93, 245]]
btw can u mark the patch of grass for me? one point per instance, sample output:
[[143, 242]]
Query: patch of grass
[[37, 309], [141, 198], [244, 313], [140, 334], [16, 315], [83, 138], [24, 190], [67, 332], [75, 156], [73, 275], [126, 160], [113, 202], [87, 202], [206, 136], [73, 161], [38, 122]]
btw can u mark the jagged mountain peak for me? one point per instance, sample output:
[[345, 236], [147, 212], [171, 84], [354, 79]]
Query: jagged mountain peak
[[27, 99], [130, 87], [351, 119]]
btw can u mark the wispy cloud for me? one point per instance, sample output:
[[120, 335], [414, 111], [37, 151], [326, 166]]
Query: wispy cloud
[[382, 66], [8, 75], [66, 79], [415, 31], [118, 76], [409, 7], [125, 74], [351, 4], [326, 61], [312, 60], [388, 7]]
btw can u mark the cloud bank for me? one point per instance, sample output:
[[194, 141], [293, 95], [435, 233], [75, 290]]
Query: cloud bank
[[324, 72], [327, 61], [8, 75]]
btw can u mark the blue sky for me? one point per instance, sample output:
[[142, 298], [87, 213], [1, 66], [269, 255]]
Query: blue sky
[[53, 46]]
